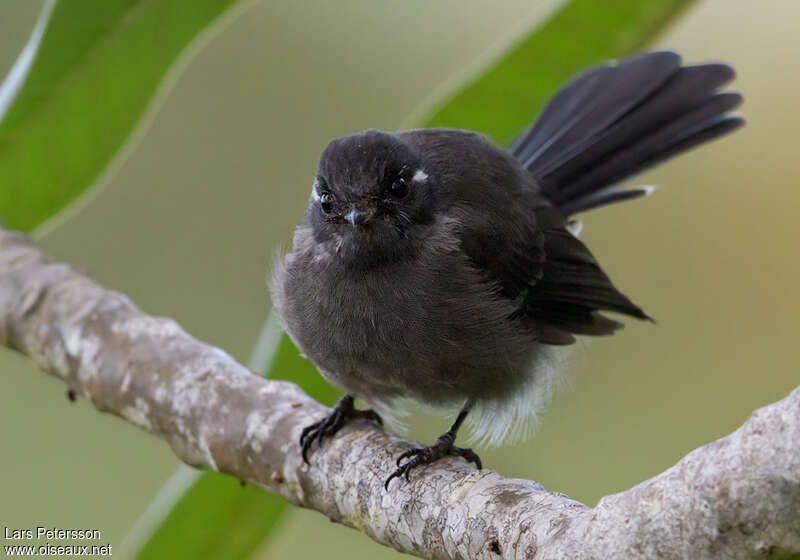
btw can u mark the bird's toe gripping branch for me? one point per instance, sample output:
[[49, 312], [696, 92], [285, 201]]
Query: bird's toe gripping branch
[[343, 411], [426, 455]]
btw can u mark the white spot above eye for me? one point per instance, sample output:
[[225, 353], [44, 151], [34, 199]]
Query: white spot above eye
[[575, 227], [420, 176]]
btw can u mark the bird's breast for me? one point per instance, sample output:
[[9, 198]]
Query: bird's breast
[[431, 327]]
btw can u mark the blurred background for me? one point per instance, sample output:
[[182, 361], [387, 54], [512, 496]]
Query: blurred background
[[219, 172]]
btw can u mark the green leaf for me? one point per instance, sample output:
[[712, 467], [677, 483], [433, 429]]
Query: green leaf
[[216, 519], [504, 100], [97, 67]]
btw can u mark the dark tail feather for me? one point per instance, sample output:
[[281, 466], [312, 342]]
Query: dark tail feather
[[615, 121], [590, 104], [603, 197]]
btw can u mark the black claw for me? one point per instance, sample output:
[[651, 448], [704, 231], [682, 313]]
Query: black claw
[[306, 431], [406, 455], [327, 427], [427, 455], [307, 438], [468, 455], [372, 415], [395, 474]]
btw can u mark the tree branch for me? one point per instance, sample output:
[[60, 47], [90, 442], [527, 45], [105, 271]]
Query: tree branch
[[735, 498]]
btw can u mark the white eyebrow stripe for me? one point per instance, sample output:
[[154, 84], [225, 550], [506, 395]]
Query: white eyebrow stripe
[[420, 176], [314, 193]]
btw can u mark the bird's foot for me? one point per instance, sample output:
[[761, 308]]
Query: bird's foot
[[426, 455], [343, 411]]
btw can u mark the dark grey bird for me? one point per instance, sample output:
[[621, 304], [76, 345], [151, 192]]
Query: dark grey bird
[[433, 265]]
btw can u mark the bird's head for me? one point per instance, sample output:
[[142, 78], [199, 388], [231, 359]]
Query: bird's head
[[370, 195]]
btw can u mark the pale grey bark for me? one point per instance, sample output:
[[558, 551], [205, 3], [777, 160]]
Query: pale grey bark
[[737, 497]]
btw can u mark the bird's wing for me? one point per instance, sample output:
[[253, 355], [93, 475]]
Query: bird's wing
[[559, 287], [517, 238], [511, 255], [573, 290]]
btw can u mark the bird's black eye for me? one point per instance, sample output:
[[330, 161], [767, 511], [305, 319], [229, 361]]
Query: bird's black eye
[[399, 188], [326, 202]]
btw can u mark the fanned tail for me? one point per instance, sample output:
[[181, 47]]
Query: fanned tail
[[617, 120]]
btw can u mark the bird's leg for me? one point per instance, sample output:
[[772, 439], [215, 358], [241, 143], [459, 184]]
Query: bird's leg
[[442, 448], [343, 411]]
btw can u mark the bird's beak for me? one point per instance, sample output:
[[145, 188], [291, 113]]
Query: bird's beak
[[357, 217]]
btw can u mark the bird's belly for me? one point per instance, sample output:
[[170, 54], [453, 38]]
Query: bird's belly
[[435, 331]]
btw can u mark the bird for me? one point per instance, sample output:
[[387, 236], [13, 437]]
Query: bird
[[432, 264]]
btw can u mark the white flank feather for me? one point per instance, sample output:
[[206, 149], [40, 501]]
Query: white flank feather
[[493, 422]]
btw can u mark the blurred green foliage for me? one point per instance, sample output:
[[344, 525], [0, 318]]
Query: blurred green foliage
[[215, 518], [584, 32], [97, 67], [500, 103]]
